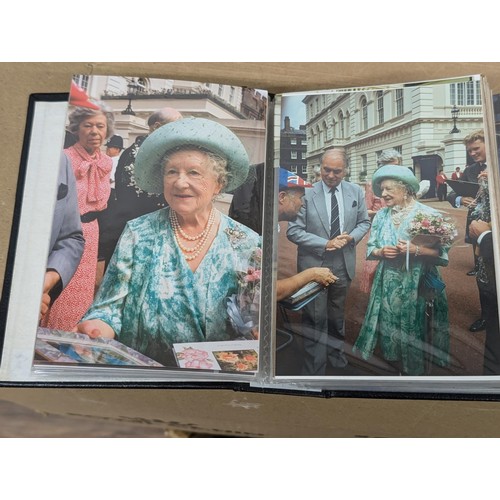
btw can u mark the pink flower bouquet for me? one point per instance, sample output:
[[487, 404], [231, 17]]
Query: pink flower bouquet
[[431, 230]]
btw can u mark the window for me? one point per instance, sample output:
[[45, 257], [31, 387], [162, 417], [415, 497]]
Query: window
[[293, 142], [220, 91], [479, 99], [348, 124], [380, 107], [82, 81], [304, 169], [293, 169], [341, 125], [465, 93], [364, 162], [293, 155], [364, 168], [142, 85], [231, 95], [364, 114], [399, 102]]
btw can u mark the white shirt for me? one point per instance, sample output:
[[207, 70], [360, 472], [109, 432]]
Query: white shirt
[[340, 201]]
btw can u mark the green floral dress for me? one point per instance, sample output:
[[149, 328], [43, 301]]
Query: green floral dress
[[151, 297], [400, 317]]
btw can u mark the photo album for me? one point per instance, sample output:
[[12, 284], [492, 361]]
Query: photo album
[[324, 241]]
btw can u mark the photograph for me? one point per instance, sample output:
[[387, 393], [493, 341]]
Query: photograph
[[148, 246], [391, 218]]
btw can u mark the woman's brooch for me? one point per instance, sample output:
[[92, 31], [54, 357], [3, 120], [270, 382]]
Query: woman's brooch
[[235, 236]]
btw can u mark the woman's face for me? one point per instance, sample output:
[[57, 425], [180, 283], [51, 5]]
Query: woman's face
[[189, 182], [393, 193], [92, 132]]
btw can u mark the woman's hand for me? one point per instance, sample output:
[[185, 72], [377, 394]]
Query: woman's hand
[[95, 328], [403, 247], [387, 252]]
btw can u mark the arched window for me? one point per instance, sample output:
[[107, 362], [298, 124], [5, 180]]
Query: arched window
[[341, 125], [319, 135], [348, 124]]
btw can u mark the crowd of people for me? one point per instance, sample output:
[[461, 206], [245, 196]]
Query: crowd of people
[[171, 260]]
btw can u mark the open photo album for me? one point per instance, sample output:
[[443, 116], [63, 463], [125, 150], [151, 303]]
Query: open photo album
[[320, 241]]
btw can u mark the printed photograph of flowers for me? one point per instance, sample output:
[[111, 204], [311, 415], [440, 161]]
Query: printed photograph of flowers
[[237, 361]]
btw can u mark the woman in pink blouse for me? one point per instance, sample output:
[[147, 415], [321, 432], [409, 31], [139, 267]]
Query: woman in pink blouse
[[92, 170]]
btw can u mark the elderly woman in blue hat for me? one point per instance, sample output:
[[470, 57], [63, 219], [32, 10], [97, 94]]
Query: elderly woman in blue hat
[[173, 269], [397, 317]]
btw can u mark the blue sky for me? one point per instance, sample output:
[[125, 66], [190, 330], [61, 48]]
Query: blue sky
[[293, 107]]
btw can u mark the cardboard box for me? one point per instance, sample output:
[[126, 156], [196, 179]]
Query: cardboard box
[[223, 411]]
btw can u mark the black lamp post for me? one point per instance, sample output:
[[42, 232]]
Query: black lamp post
[[132, 87], [454, 114]]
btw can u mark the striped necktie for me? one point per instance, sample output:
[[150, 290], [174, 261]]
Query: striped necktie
[[335, 224]]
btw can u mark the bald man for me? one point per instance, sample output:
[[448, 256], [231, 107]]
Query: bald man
[[332, 221]]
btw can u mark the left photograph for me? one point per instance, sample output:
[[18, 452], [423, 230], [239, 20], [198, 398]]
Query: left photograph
[[153, 248]]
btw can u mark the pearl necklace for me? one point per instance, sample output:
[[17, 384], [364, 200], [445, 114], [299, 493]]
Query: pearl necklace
[[398, 213], [192, 252]]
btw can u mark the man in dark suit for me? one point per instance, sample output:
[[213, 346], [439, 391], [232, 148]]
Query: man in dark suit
[[476, 149], [331, 223], [486, 283]]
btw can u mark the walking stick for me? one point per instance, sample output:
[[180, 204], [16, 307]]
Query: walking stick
[[429, 334]]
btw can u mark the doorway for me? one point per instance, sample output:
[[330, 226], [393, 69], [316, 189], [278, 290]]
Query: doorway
[[426, 168]]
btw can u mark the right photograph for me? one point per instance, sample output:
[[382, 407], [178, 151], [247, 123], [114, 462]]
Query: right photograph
[[387, 223]]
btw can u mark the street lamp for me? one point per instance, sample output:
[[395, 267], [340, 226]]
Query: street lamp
[[454, 114], [132, 87]]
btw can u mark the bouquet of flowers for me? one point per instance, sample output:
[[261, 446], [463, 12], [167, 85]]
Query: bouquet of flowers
[[431, 230], [243, 307]]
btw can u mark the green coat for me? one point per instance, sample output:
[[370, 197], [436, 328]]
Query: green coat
[[396, 316]]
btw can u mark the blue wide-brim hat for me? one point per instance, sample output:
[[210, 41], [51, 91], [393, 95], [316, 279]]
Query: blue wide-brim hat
[[197, 132], [395, 172]]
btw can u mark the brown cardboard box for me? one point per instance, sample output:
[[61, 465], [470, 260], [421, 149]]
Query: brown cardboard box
[[224, 411]]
